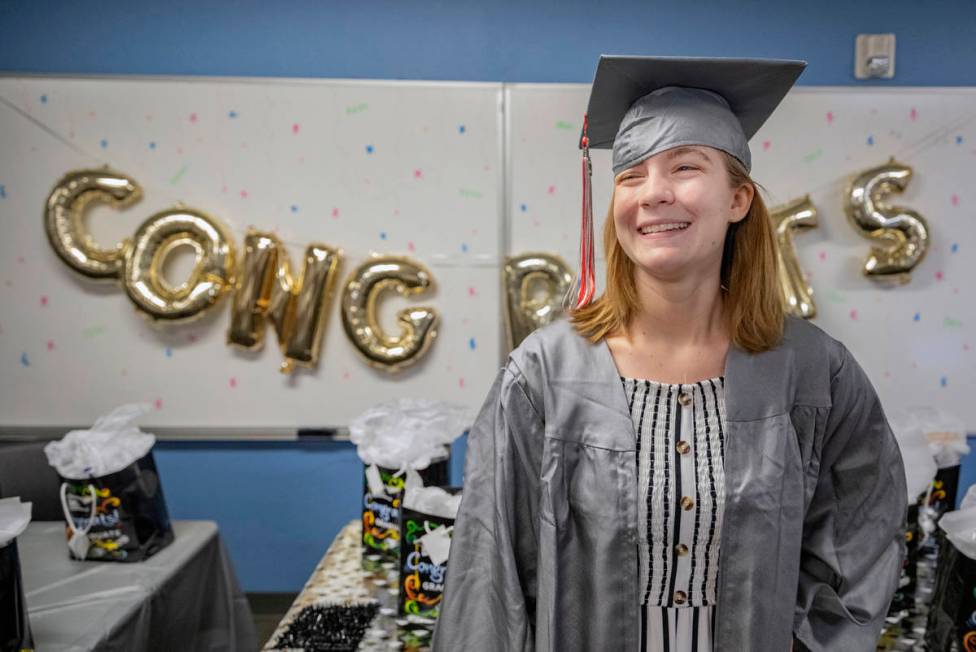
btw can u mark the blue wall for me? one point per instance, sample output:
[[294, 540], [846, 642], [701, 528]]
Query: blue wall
[[278, 505]]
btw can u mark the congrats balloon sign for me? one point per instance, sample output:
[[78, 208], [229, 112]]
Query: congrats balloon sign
[[261, 280]]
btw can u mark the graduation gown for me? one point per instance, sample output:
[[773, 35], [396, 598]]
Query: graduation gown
[[544, 551]]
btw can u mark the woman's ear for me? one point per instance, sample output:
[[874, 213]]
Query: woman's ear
[[742, 201]]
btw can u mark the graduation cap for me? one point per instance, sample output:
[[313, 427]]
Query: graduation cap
[[640, 106]]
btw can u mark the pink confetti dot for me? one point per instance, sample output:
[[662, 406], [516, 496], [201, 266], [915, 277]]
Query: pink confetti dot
[[487, 168], [91, 114], [346, 375], [243, 194], [965, 347], [192, 337], [396, 211], [233, 382], [418, 174], [536, 223], [193, 118], [461, 382], [335, 212], [465, 321], [295, 128], [158, 404], [955, 200], [50, 345], [551, 190], [20, 259], [411, 247], [914, 114], [472, 292], [148, 118], [822, 255], [854, 314], [830, 117], [938, 276], [767, 144], [223, 188], [887, 374], [179, 150], [44, 300]]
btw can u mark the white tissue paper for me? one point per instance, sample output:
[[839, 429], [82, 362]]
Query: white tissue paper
[[407, 433], [960, 528], [112, 444], [14, 517], [920, 466], [945, 433]]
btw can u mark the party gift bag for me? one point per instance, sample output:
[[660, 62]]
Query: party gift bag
[[110, 493], [426, 525], [382, 505], [394, 438], [15, 632]]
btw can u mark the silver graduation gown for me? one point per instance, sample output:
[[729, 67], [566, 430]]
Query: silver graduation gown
[[544, 551]]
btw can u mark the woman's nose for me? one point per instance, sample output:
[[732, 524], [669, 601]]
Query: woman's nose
[[656, 189]]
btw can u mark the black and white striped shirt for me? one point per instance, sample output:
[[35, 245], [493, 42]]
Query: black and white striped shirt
[[680, 457]]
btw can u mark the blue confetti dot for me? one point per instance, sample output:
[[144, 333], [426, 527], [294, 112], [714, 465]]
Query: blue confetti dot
[[943, 381], [953, 249], [472, 344], [3, 192], [169, 352], [294, 208], [103, 143], [464, 247], [461, 129], [369, 149], [23, 360], [958, 140], [232, 114], [870, 140], [43, 99], [523, 208], [917, 317], [383, 235], [152, 145]]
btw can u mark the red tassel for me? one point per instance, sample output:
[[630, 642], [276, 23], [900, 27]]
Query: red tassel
[[584, 286]]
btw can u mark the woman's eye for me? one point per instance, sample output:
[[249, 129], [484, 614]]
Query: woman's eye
[[688, 167]]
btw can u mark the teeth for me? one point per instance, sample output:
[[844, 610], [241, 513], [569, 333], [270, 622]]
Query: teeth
[[657, 228]]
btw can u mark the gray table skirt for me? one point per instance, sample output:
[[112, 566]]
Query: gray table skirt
[[186, 597]]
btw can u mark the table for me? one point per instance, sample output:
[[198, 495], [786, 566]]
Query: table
[[185, 597], [340, 579]]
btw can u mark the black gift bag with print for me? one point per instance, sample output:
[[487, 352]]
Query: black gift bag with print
[[381, 510], [121, 516], [952, 617], [15, 633]]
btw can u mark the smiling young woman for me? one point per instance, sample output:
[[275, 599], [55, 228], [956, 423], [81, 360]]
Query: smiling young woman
[[679, 466]]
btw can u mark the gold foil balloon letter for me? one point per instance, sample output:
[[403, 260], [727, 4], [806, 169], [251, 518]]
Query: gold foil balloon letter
[[535, 284], [359, 312], [64, 215], [797, 215], [901, 235], [154, 240], [298, 309]]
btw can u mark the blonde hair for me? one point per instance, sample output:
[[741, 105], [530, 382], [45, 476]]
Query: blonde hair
[[753, 300]]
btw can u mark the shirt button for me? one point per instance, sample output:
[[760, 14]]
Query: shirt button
[[687, 503], [684, 398], [683, 447], [680, 597], [681, 549]]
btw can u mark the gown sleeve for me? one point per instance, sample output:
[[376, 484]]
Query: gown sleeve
[[489, 597], [854, 529]]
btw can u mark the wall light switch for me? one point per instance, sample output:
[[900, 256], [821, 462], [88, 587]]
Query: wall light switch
[[874, 56]]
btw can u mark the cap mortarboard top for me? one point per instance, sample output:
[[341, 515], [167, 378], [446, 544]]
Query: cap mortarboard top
[[640, 106]]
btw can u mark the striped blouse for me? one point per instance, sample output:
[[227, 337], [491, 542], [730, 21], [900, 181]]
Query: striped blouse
[[680, 458]]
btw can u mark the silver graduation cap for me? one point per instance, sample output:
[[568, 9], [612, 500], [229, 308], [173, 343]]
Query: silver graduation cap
[[640, 106]]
